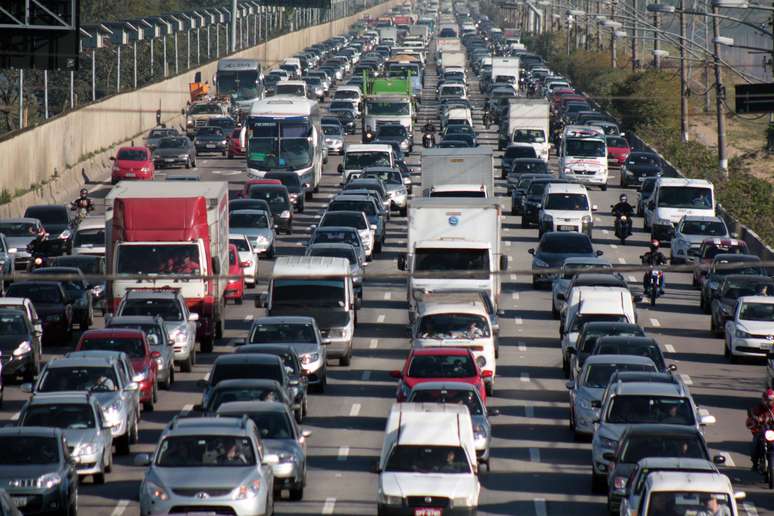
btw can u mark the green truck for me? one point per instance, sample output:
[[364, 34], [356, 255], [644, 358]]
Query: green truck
[[388, 101]]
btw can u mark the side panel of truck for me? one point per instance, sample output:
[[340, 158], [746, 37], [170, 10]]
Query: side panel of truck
[[528, 114], [452, 58], [506, 66], [473, 166], [448, 44]]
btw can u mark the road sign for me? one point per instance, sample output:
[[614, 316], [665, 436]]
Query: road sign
[[755, 98]]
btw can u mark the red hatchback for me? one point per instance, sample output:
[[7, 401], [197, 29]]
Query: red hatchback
[[439, 365], [235, 288], [235, 148], [133, 163], [136, 347], [617, 150]]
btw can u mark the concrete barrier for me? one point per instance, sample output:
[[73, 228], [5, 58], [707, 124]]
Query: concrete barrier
[[48, 161]]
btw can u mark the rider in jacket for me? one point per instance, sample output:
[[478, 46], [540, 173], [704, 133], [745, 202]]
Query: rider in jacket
[[83, 202], [654, 258], [759, 417]]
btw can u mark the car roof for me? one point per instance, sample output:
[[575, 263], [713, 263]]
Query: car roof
[[242, 383], [440, 351], [574, 188], [769, 300], [445, 386], [132, 319], [252, 407], [650, 389], [109, 333], [30, 431], [97, 353], [728, 257], [284, 319], [663, 429], [70, 397], [210, 426], [151, 294], [268, 349], [678, 481], [618, 359], [301, 266], [462, 307], [676, 463], [585, 260], [80, 360]]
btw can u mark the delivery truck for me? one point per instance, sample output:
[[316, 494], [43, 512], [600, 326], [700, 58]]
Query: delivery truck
[[461, 172], [452, 58], [528, 122], [177, 228], [505, 69]]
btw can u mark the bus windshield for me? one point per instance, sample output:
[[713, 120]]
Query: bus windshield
[[242, 83]]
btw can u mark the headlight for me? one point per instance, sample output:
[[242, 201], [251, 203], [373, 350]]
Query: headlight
[[610, 444], [390, 499], [180, 335], [479, 431], [22, 349], [189, 122], [85, 449], [48, 481], [741, 334], [464, 501], [285, 214], [13, 250], [261, 239], [338, 332], [293, 196], [567, 170], [223, 142], [537, 262], [247, 490], [287, 457], [308, 358], [664, 222], [155, 491], [97, 290], [142, 375], [112, 414], [547, 219], [65, 234]]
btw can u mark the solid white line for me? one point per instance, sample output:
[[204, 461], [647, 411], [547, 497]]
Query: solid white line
[[669, 348], [329, 506], [355, 410], [621, 260], [529, 411], [366, 376], [540, 507], [522, 347], [614, 246], [120, 508], [534, 455], [750, 509], [343, 453], [686, 379], [186, 409], [729, 461], [524, 377], [387, 295], [518, 321], [655, 323], [374, 344], [381, 318]]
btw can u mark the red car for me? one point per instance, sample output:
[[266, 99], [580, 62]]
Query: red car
[[136, 347], [710, 248], [617, 150], [439, 365], [133, 163], [250, 182], [235, 288], [234, 145]]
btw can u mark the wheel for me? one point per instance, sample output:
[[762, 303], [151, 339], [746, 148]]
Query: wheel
[[296, 493], [172, 373], [378, 247], [604, 188], [109, 464], [187, 366], [270, 252], [188, 163], [299, 415], [403, 211], [524, 222], [554, 312], [726, 349], [598, 483], [206, 344], [193, 163], [346, 359], [72, 510], [122, 445], [770, 474], [301, 208], [489, 388], [99, 478], [653, 294], [308, 195], [566, 367]]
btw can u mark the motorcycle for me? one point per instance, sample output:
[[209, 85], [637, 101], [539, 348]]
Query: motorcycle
[[41, 252], [428, 140], [653, 280], [368, 136], [82, 211], [766, 456], [623, 228]]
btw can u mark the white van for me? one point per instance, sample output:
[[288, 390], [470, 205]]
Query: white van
[[583, 155], [291, 89], [672, 199], [566, 207], [428, 460], [358, 156]]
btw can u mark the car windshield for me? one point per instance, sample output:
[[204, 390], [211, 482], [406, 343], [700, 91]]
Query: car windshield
[[727, 267], [642, 159], [684, 503], [273, 425], [155, 334], [529, 167], [48, 214], [581, 319], [442, 366], [85, 237], [451, 397], [277, 198], [642, 349], [18, 229], [221, 396], [76, 378], [322, 236], [38, 294], [335, 252], [13, 325], [332, 130], [205, 451], [205, 109], [577, 147], [385, 108], [392, 130], [291, 89], [453, 326], [598, 375], [536, 189], [282, 333], [134, 348], [235, 371], [566, 244], [28, 450], [428, 459], [73, 416], [757, 312], [706, 228], [645, 446], [337, 218], [529, 136], [322, 293], [685, 197], [361, 160], [224, 123], [173, 143], [590, 335], [567, 202], [132, 155], [167, 309], [346, 94], [616, 141], [712, 250], [240, 243], [209, 131], [341, 104], [636, 409], [571, 269], [248, 220]]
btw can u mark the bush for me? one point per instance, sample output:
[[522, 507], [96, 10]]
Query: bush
[[648, 100]]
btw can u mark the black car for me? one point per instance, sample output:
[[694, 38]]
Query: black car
[[723, 265], [731, 288], [89, 265], [31, 454], [56, 219], [78, 291], [278, 198], [297, 191], [20, 348], [553, 249], [639, 166], [248, 204], [519, 191], [174, 151], [51, 303], [224, 122], [522, 166], [245, 389], [516, 151], [591, 332], [243, 366], [347, 118], [395, 133], [211, 140]]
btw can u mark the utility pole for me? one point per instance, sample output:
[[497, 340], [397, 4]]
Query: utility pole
[[683, 78], [719, 97], [635, 32], [613, 56], [656, 41], [233, 25], [599, 29]]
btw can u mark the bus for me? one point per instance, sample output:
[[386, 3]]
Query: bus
[[284, 133], [241, 80]]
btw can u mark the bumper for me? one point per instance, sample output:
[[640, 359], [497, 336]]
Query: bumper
[[234, 291], [88, 464], [588, 179], [38, 501], [121, 428], [131, 176], [287, 474], [543, 277], [215, 505], [55, 327], [182, 352], [146, 390], [314, 370], [750, 347], [210, 147], [530, 214], [170, 162], [405, 510], [399, 201], [337, 348]]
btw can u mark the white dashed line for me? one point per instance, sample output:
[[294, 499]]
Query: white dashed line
[[513, 277], [540, 507], [534, 455], [632, 279], [750, 509], [15, 417], [669, 348], [518, 321], [510, 259], [525, 377], [249, 317], [614, 246], [355, 410], [522, 347], [606, 232], [686, 379], [655, 323], [621, 260], [186, 409], [374, 344], [387, 296], [120, 508], [381, 318], [343, 453], [515, 295], [329, 506], [366, 376], [508, 243], [729, 461]]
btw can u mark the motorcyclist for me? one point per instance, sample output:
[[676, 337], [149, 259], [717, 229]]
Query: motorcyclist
[[40, 235], [83, 202], [758, 417], [428, 133], [486, 117], [654, 258], [428, 128], [623, 207]]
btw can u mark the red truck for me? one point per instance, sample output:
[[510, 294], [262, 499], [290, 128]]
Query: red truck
[[179, 228]]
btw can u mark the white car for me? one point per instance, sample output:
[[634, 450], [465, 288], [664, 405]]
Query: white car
[[566, 207], [751, 331], [246, 254]]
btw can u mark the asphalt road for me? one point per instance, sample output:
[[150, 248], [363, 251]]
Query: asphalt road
[[537, 468]]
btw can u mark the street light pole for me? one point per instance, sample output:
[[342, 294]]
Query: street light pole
[[635, 31], [613, 56], [683, 78], [719, 97], [656, 42]]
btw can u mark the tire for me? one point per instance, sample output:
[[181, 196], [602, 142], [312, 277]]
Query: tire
[[489, 389], [122, 445], [301, 208], [604, 188], [566, 367], [524, 222], [187, 366], [378, 247], [598, 483], [770, 474], [109, 465], [206, 344], [296, 493], [72, 510], [99, 478], [308, 195], [554, 311], [403, 212], [346, 359], [653, 295], [188, 163], [298, 415]]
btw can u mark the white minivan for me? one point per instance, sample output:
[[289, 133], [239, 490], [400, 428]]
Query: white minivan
[[672, 199], [566, 207]]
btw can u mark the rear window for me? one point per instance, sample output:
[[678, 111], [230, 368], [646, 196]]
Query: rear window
[[247, 370], [344, 219], [132, 155]]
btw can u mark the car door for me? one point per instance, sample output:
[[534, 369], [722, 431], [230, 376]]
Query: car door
[[722, 303], [125, 374]]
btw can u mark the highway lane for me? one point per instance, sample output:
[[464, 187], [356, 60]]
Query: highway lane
[[537, 468]]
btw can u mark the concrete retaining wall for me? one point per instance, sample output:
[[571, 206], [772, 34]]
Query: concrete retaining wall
[[64, 152]]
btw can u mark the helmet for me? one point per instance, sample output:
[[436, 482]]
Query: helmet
[[84, 192], [768, 395], [623, 198], [654, 244]]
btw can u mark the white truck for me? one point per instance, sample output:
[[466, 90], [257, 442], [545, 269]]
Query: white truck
[[528, 121], [505, 69], [454, 244], [388, 33], [448, 45], [422, 31], [452, 58], [462, 172]]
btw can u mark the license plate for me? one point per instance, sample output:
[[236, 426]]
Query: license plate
[[130, 174], [567, 228], [427, 511], [210, 145], [19, 501], [170, 160]]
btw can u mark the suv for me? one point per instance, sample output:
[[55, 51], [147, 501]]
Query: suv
[[178, 321], [159, 341], [238, 365], [79, 416], [208, 464], [566, 207], [107, 375]]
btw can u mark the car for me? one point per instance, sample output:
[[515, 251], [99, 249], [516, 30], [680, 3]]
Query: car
[[178, 321], [650, 441], [235, 147], [79, 416], [523, 166], [455, 393], [108, 377], [356, 220], [707, 252], [244, 366], [454, 144], [41, 454], [368, 204], [24, 305], [618, 150], [373, 186], [347, 117], [532, 201], [519, 191], [724, 265], [297, 191], [391, 133], [89, 237], [225, 122], [160, 344], [640, 166], [731, 288], [52, 305], [689, 493], [334, 137], [690, 233], [174, 151], [157, 134], [20, 345], [633, 345], [132, 164], [56, 219], [19, 232], [648, 186], [257, 226], [571, 268], [222, 457], [78, 292], [247, 256], [566, 207], [593, 330], [244, 389], [211, 140], [339, 234], [89, 265], [393, 184], [553, 249], [589, 385], [281, 436], [516, 151], [235, 285], [635, 403], [439, 364], [750, 329], [279, 204], [303, 335]]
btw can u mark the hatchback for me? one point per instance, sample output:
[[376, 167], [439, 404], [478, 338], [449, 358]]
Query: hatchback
[[132, 163]]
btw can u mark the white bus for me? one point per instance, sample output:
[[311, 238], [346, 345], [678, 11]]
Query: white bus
[[241, 80]]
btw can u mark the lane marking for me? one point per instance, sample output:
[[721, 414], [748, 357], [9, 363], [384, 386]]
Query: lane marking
[[606, 232], [381, 318], [343, 453], [686, 379], [522, 347], [186, 409], [249, 317], [632, 279], [524, 377], [654, 322], [729, 461], [515, 295], [669, 348], [621, 260], [534, 455], [518, 321], [387, 296], [614, 246], [355, 410], [374, 344], [529, 411], [540, 507], [120, 508], [329, 506], [15, 417], [366, 376], [750, 509], [508, 243], [513, 277]]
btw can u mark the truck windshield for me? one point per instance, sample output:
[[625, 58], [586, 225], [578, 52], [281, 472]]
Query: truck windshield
[[318, 293], [428, 459], [158, 259], [388, 108], [205, 109], [243, 83], [361, 160], [450, 260], [685, 197], [578, 147], [295, 152], [291, 89], [529, 136]]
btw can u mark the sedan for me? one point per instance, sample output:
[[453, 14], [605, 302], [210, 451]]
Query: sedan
[[339, 234], [519, 191], [750, 332], [78, 292], [246, 256], [724, 265], [52, 305], [640, 166], [524, 166], [211, 140], [590, 333], [156, 334], [392, 133], [617, 150], [633, 345], [257, 226], [20, 347], [132, 163], [516, 151], [570, 267], [297, 191], [553, 249], [356, 220], [174, 151], [334, 138], [690, 232], [157, 134]]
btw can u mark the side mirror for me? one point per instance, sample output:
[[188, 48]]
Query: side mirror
[[26, 388], [396, 374], [193, 317], [171, 342], [153, 340], [142, 459], [340, 168], [182, 111], [531, 251], [672, 367], [402, 262], [503, 262], [306, 433], [594, 207], [202, 383], [570, 385], [719, 459]]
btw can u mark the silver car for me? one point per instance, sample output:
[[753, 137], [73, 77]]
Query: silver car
[[207, 463], [174, 151], [156, 333], [281, 437], [334, 138], [19, 232], [257, 225], [570, 267], [78, 414], [586, 393], [394, 186], [690, 232]]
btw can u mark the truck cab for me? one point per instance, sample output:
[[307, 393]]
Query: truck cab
[[674, 198]]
